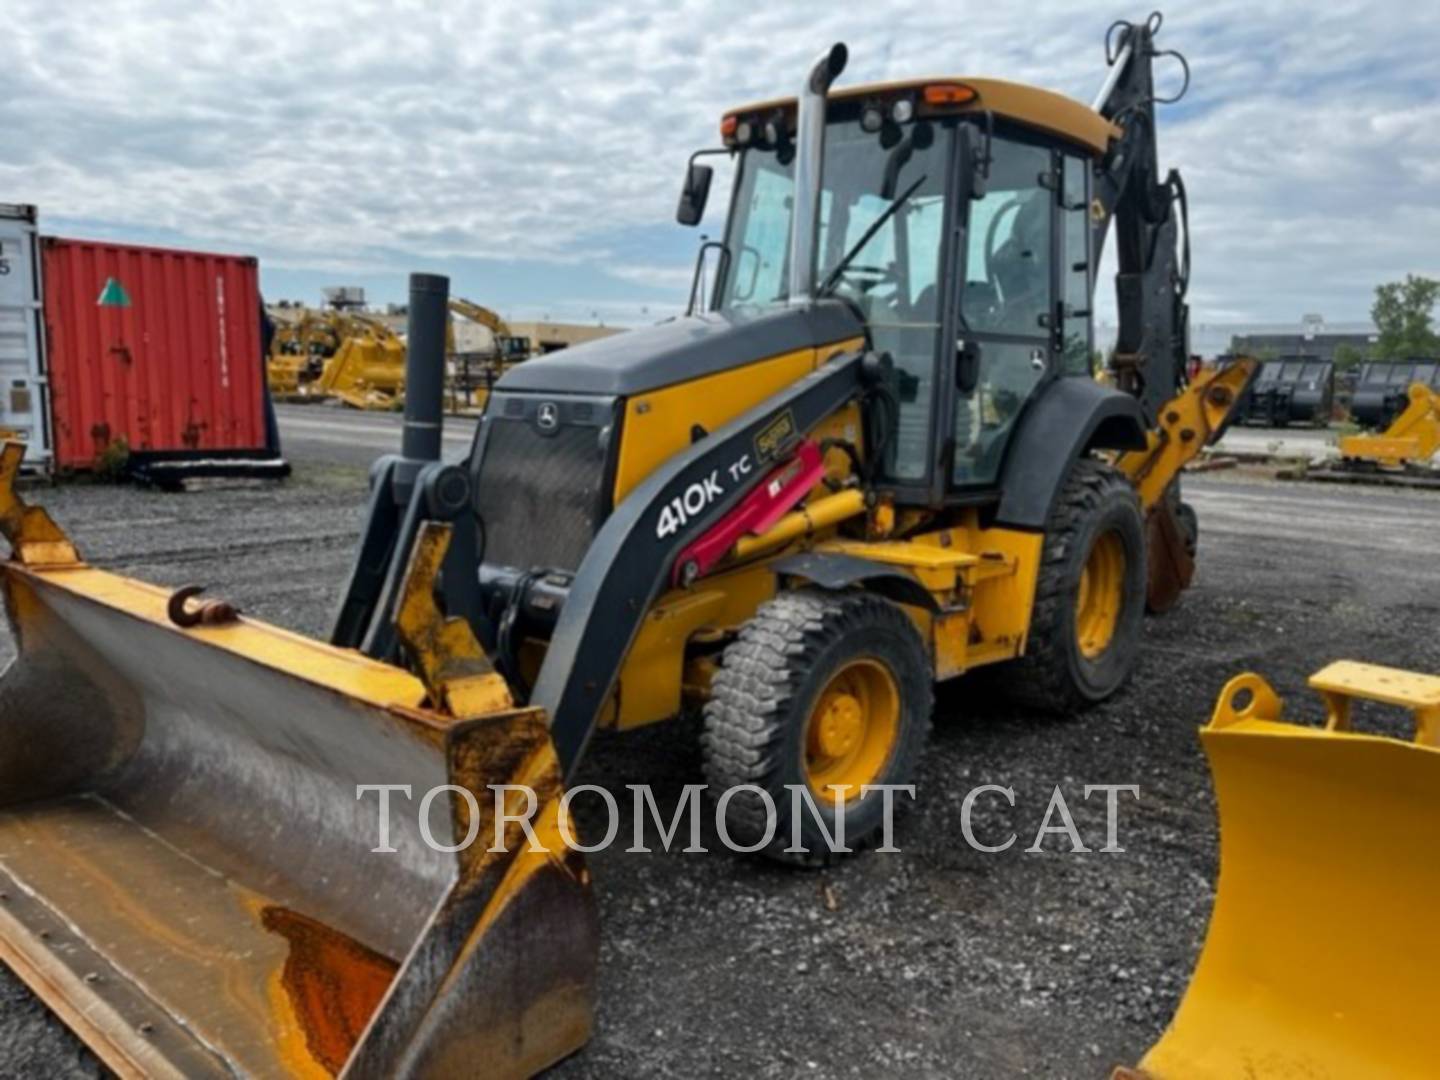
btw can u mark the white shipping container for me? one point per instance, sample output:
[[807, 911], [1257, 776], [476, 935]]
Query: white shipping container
[[24, 390]]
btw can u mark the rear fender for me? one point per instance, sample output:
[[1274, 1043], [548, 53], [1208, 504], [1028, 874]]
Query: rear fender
[[1072, 416]]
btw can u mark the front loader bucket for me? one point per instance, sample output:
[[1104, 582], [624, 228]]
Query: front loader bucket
[[1321, 957], [188, 878]]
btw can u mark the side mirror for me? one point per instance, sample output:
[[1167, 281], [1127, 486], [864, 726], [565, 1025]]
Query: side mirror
[[695, 194], [967, 366]]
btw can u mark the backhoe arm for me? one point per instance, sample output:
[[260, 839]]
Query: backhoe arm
[[1152, 246]]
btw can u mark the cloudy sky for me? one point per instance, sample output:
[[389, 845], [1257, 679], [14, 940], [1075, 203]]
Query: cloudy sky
[[533, 150]]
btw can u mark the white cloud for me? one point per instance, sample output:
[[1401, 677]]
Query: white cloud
[[365, 135]]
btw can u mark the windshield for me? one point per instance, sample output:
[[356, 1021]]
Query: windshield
[[855, 196], [881, 223]]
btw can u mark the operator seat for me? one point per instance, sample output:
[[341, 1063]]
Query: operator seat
[[1021, 266]]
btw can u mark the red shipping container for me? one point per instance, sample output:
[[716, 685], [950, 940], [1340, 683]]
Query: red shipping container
[[155, 347]]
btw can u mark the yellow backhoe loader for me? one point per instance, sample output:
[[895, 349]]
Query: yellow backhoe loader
[[1307, 971], [878, 460]]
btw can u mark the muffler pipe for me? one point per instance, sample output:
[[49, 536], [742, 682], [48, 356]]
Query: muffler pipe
[[809, 162]]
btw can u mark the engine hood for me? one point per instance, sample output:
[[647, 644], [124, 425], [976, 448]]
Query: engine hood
[[680, 350]]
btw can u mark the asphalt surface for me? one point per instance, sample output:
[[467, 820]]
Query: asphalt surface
[[334, 435], [330, 435], [938, 961], [1290, 442]]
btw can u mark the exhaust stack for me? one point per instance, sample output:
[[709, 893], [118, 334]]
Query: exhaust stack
[[424, 377], [809, 159]]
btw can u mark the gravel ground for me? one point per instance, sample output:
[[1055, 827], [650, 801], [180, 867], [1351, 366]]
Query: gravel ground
[[940, 960]]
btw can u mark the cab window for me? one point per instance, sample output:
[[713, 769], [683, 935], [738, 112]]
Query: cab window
[[1006, 303]]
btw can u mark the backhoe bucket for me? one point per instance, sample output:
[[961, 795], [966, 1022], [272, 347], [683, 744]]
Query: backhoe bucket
[[1322, 955], [188, 876]]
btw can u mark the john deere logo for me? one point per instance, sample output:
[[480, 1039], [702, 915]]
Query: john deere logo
[[547, 417]]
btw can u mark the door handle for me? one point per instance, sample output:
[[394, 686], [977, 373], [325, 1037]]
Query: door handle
[[967, 366], [1037, 359]]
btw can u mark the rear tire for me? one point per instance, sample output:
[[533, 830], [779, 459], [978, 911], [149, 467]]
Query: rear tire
[[1074, 656], [819, 688]]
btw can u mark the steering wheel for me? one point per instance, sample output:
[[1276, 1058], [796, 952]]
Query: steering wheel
[[858, 292], [879, 274]]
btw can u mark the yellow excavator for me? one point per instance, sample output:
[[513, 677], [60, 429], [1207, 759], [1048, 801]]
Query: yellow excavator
[[878, 460], [470, 384]]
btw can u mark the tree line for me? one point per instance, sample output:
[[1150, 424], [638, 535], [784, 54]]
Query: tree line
[[1403, 314]]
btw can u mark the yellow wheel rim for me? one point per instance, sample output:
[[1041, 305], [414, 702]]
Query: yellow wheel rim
[[1101, 595], [852, 729]]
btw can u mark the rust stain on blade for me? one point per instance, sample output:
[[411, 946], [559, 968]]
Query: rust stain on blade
[[333, 985]]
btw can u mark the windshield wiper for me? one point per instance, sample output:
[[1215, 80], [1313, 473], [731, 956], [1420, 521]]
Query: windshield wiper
[[834, 276]]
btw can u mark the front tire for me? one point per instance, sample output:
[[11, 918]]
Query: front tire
[[819, 689], [1087, 619]]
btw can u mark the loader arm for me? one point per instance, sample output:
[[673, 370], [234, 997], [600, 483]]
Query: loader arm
[[1193, 419], [632, 557]]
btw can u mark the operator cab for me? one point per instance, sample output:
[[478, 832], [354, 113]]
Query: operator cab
[[926, 185]]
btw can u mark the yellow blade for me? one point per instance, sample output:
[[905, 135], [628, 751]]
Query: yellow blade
[[1322, 955], [187, 875]]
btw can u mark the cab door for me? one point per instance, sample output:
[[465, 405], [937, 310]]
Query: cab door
[[1006, 303]]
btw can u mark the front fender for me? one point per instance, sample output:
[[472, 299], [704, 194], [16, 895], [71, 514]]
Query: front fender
[[833, 570]]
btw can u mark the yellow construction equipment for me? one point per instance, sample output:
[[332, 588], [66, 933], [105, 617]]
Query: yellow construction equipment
[[300, 348], [470, 383], [188, 879], [1320, 960], [878, 460], [367, 371], [1401, 455], [1412, 439], [506, 345], [1194, 418], [356, 359]]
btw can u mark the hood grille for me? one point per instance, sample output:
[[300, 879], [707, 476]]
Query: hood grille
[[540, 490]]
